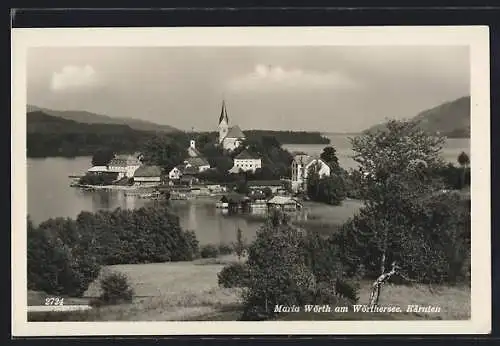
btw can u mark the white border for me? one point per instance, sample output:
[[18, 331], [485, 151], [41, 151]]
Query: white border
[[476, 37]]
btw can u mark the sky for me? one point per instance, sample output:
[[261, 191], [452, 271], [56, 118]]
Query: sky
[[316, 88]]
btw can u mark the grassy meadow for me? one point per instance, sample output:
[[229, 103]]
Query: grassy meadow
[[189, 291]]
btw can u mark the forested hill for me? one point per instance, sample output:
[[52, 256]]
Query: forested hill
[[41, 122], [451, 119], [290, 137], [52, 136], [92, 118], [48, 135], [283, 137]]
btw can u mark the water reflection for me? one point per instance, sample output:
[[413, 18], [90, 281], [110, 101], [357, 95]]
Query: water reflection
[[213, 225]]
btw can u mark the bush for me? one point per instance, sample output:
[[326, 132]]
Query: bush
[[348, 289], [233, 275], [105, 178], [58, 267], [64, 255], [145, 235], [225, 249], [209, 251], [191, 245], [115, 289]]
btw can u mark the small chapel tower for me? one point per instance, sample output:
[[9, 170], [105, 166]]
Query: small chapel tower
[[223, 123]]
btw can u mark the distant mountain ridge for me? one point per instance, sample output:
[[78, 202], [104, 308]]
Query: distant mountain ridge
[[52, 136], [39, 122], [85, 117], [450, 119]]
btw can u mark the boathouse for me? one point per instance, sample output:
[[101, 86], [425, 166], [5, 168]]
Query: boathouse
[[284, 203], [234, 201]]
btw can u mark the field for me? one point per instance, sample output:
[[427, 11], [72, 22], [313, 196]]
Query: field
[[189, 291]]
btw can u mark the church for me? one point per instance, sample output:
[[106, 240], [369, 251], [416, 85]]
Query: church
[[232, 137]]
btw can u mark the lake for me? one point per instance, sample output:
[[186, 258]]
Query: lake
[[452, 148], [49, 194]]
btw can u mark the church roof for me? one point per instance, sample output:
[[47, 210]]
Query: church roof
[[246, 155], [197, 161], [235, 132], [223, 113], [193, 152]]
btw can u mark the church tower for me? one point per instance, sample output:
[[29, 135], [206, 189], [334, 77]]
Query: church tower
[[223, 123]]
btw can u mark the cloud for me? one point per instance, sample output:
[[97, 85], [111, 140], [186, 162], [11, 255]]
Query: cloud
[[72, 77], [267, 77]]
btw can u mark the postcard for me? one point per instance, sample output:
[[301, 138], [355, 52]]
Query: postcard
[[250, 180]]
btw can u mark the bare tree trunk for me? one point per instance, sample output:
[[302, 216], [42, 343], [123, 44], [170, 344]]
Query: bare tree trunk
[[382, 262], [384, 248], [377, 285]]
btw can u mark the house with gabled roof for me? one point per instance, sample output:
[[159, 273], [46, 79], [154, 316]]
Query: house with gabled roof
[[147, 175], [246, 161], [200, 164], [230, 138], [284, 203], [125, 165], [301, 166]]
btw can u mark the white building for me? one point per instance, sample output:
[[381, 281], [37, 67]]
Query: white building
[[124, 165], [301, 165], [175, 173], [230, 138], [246, 161]]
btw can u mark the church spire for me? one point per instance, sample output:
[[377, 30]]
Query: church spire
[[223, 113]]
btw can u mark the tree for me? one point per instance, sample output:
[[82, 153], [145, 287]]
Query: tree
[[61, 260], [223, 164], [102, 157], [164, 151], [242, 187], [288, 266], [406, 218], [464, 161], [239, 246], [329, 189], [277, 270], [329, 155], [390, 160]]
